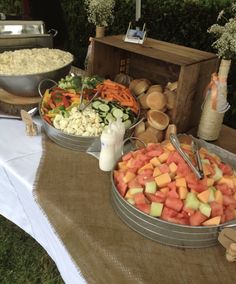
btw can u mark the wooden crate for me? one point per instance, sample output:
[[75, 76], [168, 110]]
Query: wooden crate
[[160, 62]]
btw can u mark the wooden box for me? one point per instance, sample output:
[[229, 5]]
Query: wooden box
[[160, 62]]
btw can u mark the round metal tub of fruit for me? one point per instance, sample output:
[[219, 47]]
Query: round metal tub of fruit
[[156, 193], [78, 108]]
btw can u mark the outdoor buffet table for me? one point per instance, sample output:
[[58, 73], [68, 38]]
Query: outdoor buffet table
[[19, 160]]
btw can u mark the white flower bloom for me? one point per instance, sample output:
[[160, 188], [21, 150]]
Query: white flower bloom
[[226, 36], [100, 12]]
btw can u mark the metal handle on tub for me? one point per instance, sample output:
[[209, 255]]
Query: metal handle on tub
[[132, 138], [43, 81]]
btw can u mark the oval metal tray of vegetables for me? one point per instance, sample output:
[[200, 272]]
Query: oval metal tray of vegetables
[[60, 105], [113, 91]]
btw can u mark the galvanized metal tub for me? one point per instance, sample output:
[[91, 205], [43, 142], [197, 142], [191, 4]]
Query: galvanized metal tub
[[162, 231], [73, 142], [166, 232]]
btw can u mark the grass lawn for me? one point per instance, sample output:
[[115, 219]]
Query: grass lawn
[[22, 259]]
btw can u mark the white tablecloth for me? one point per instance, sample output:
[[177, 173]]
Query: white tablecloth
[[19, 158]]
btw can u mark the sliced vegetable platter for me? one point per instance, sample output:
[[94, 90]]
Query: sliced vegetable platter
[[60, 106]]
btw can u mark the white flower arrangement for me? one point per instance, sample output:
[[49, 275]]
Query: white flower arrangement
[[226, 35], [100, 12]]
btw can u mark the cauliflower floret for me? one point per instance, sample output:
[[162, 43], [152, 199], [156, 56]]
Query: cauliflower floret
[[85, 123]]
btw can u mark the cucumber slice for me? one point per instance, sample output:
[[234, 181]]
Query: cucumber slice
[[125, 116], [127, 123], [102, 114], [96, 104], [117, 113], [109, 118], [104, 107]]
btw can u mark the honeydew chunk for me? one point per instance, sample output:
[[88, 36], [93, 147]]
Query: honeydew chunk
[[205, 209], [192, 201], [131, 201], [218, 174], [151, 187], [135, 190], [212, 194], [213, 221], [205, 161], [156, 209]]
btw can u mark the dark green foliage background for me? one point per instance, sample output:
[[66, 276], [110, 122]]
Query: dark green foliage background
[[179, 21], [183, 22]]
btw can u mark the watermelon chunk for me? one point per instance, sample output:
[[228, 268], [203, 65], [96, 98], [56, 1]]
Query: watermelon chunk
[[168, 213], [143, 207], [226, 169], [174, 203], [139, 198], [216, 209], [197, 218]]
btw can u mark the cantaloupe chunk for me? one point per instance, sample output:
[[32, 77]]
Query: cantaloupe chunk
[[213, 221], [147, 166], [164, 156], [206, 170], [169, 146], [204, 196], [183, 191], [219, 196], [128, 176], [234, 181], [122, 165], [210, 182], [227, 180], [155, 162], [165, 190], [163, 180], [156, 172], [173, 167], [181, 182]]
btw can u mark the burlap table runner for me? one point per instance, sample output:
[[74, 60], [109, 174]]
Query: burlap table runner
[[76, 197]]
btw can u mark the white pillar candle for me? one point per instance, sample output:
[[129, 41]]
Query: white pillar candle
[[138, 10]]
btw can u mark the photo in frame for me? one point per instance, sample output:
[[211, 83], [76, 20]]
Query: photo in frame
[[135, 35]]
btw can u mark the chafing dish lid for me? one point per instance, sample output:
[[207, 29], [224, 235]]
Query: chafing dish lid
[[21, 28]]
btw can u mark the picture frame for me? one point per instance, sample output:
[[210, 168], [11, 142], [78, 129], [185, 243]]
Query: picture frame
[[135, 35]]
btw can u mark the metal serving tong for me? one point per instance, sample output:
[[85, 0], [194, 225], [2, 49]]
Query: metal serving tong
[[198, 158], [197, 171]]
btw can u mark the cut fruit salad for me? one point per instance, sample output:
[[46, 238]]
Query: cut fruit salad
[[157, 181]]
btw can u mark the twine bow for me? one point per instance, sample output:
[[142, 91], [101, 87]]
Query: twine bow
[[214, 90]]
